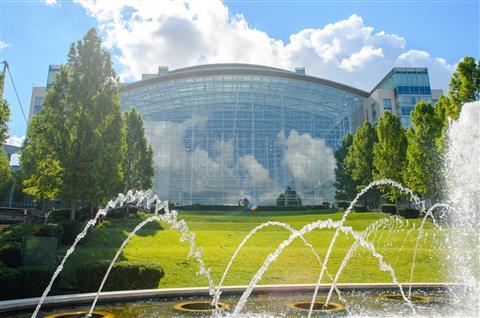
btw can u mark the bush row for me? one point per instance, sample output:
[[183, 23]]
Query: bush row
[[124, 276], [389, 208], [11, 254], [24, 282]]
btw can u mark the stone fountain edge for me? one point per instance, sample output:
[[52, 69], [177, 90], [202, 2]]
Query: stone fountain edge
[[166, 293]]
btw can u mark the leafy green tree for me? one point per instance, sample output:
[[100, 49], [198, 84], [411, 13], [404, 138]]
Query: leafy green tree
[[289, 198], [423, 171], [359, 161], [464, 85], [73, 149], [138, 158], [389, 153], [5, 172], [345, 186], [5, 175]]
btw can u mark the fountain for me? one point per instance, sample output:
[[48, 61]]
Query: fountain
[[461, 236]]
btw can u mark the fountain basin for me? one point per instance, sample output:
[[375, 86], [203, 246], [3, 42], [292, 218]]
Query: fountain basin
[[199, 306], [271, 299], [318, 307], [81, 314], [412, 298]]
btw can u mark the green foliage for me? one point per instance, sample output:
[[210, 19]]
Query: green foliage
[[48, 230], [409, 213], [464, 85], [70, 229], [389, 208], [11, 254], [359, 159], [360, 208], [77, 135], [5, 175], [124, 276], [345, 186], [343, 204], [289, 198], [4, 118], [138, 158], [390, 152], [24, 282], [60, 215], [423, 171]]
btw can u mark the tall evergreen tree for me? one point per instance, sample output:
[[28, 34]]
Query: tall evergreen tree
[[345, 186], [389, 153], [76, 141], [138, 158], [423, 171], [464, 85]]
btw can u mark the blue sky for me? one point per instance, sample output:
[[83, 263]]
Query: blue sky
[[352, 50]]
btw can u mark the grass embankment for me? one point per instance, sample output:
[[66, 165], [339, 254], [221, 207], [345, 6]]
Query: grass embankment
[[219, 233]]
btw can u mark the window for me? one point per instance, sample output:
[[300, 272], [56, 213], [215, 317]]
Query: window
[[374, 112], [387, 104], [38, 104]]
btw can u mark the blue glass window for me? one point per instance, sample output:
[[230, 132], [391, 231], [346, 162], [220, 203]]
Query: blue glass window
[[387, 104]]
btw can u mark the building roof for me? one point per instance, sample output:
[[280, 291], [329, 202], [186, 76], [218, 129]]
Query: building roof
[[239, 68]]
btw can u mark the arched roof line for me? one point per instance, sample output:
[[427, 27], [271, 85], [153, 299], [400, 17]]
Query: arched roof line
[[236, 69]]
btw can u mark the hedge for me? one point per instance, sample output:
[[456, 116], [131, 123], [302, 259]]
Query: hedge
[[16, 232], [360, 208], [71, 229], [409, 213], [343, 204], [389, 208], [124, 276], [11, 254], [60, 215], [24, 282], [48, 230]]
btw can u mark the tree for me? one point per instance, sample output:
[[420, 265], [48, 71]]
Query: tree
[[74, 146], [289, 198], [345, 186], [423, 171], [5, 172], [359, 160], [389, 153], [5, 175], [138, 158], [464, 85]]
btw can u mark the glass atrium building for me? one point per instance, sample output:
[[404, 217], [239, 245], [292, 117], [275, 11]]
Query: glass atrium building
[[223, 132]]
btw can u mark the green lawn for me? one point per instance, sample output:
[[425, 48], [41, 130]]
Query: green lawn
[[219, 233]]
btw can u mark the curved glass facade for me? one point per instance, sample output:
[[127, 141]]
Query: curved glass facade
[[221, 133]]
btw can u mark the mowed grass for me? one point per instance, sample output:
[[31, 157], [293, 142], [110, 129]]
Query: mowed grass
[[219, 234]]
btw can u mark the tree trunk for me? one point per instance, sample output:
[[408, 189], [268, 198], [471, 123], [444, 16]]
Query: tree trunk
[[73, 207], [92, 205]]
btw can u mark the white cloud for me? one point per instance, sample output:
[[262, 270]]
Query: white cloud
[[182, 33], [50, 2], [311, 163], [16, 141], [3, 45]]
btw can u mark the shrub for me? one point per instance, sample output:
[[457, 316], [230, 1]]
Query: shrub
[[124, 276], [16, 232], [409, 213], [11, 254], [360, 208], [343, 204], [24, 282], [60, 215], [71, 229], [117, 213], [48, 230], [389, 208]]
